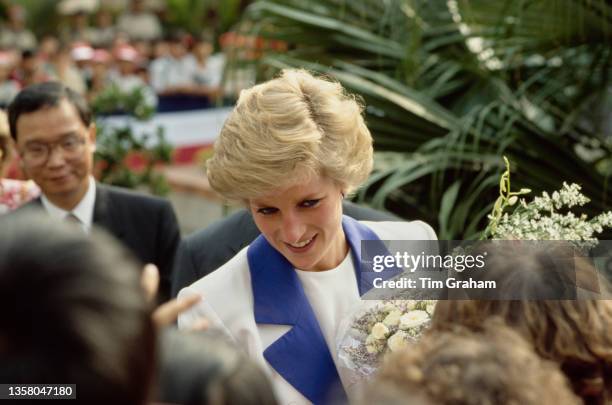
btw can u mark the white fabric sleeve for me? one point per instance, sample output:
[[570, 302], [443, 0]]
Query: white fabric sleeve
[[202, 310]]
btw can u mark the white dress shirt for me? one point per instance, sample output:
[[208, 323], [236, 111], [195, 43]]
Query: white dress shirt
[[83, 210]]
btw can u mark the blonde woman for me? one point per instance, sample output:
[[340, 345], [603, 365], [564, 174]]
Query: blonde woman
[[291, 150]]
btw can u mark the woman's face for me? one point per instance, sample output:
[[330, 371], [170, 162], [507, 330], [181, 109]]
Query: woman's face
[[304, 223]]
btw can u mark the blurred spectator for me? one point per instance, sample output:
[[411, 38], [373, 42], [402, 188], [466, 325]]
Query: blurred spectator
[[65, 71], [73, 312], [82, 54], [48, 47], [100, 79], [8, 87], [198, 369], [15, 34], [172, 78], [120, 40], [103, 32], [207, 69], [77, 15], [30, 69], [161, 49], [172, 75], [13, 193], [240, 76], [6, 145], [126, 77], [456, 365], [139, 23], [78, 29], [71, 7], [145, 51]]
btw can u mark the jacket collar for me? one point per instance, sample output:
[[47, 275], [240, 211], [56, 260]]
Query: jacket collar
[[301, 355], [103, 214]]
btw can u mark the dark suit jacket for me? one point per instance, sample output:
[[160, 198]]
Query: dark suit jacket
[[146, 225], [204, 251]]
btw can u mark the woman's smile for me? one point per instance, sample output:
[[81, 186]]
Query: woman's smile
[[302, 247], [304, 223]]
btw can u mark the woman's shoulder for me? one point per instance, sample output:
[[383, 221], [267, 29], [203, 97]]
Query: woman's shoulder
[[401, 230], [226, 294], [233, 275], [226, 291]]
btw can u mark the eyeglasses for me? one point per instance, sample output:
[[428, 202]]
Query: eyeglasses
[[37, 153]]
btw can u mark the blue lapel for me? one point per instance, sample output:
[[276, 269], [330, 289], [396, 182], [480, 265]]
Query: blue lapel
[[301, 355], [357, 235]]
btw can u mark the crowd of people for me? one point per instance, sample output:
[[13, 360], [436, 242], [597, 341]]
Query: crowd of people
[[98, 50], [92, 278]]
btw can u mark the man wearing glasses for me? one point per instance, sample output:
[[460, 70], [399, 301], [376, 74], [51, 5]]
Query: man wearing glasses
[[56, 138]]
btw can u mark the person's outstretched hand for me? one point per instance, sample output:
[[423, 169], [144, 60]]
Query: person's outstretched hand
[[167, 313]]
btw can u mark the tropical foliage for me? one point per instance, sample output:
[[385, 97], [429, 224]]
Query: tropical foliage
[[451, 86], [195, 16], [42, 16]]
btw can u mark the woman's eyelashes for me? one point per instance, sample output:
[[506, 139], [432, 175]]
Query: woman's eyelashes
[[310, 203], [304, 204], [267, 210]]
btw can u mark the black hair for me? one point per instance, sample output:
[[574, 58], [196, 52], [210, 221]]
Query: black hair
[[203, 369], [28, 54], [73, 312], [175, 36], [43, 95]]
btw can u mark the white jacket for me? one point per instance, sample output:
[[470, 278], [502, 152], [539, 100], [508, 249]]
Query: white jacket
[[262, 323]]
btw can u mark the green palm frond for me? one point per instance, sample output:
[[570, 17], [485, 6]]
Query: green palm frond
[[451, 86]]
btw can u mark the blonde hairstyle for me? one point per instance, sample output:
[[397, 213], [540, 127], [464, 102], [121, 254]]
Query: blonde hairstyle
[[5, 141], [576, 334], [456, 365], [287, 129]]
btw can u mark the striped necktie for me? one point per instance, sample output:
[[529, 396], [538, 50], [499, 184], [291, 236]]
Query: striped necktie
[[73, 220]]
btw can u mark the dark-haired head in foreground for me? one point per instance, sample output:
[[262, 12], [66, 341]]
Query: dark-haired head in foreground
[[72, 312], [203, 369]]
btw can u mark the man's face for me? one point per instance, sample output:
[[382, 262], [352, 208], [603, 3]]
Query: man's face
[[5, 71], [29, 64], [126, 67], [203, 50], [69, 145], [177, 49]]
